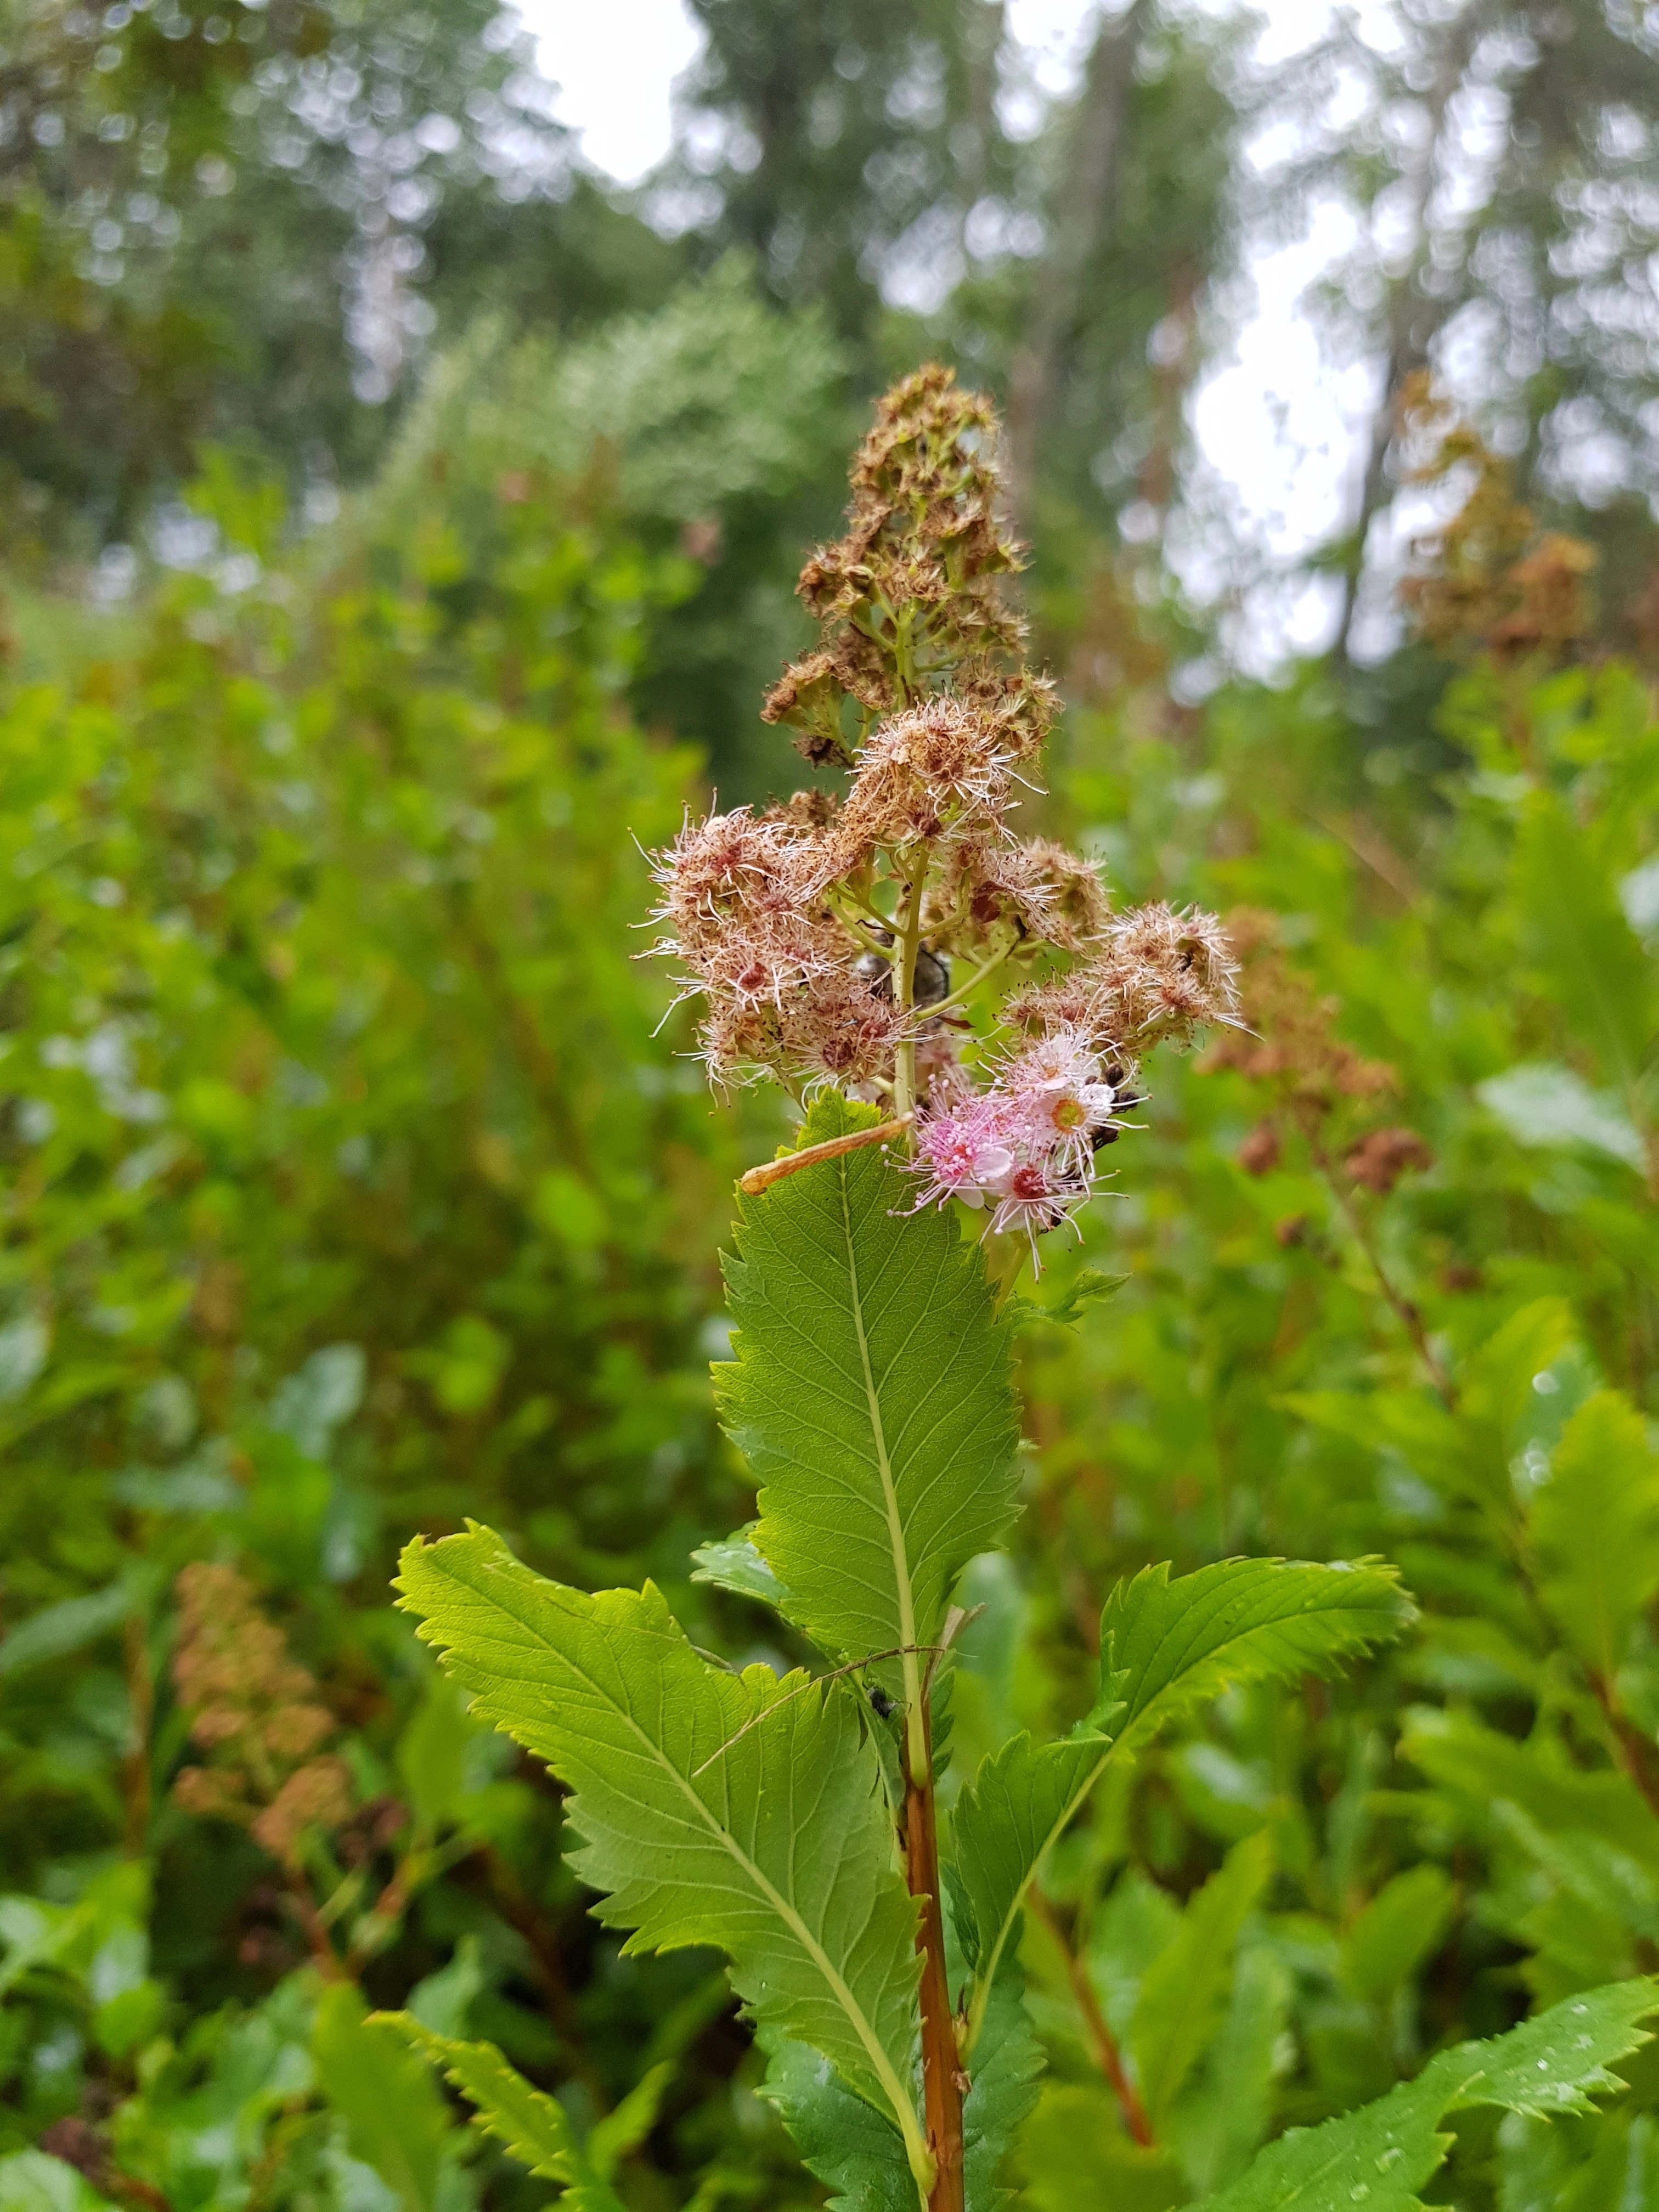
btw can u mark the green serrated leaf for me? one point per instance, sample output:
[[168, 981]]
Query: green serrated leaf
[[1552, 2064], [1617, 1888], [1542, 1105], [870, 1394], [627, 2126], [1496, 1380], [1559, 2061], [1225, 2114], [717, 1808], [35, 2181], [1166, 1646], [1400, 1927], [732, 1563], [1014, 1808], [858, 2154], [1486, 1768], [534, 2127], [1007, 2067], [1185, 1989], [1592, 958], [395, 2119], [1075, 2157], [1594, 1527]]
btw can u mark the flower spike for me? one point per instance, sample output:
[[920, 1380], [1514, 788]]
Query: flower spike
[[822, 934]]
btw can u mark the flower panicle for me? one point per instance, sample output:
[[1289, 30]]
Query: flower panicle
[[841, 938]]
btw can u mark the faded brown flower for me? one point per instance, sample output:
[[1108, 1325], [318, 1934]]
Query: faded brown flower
[[254, 1710], [1488, 579], [1379, 1160]]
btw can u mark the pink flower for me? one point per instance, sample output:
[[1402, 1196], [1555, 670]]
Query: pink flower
[[1063, 1099], [1036, 1199], [1026, 1145], [964, 1153]]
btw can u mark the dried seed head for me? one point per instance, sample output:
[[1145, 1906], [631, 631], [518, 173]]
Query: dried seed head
[[1291, 1041], [254, 1708], [1039, 891], [911, 593], [1079, 904], [316, 1795], [1162, 976], [1065, 1001], [935, 772], [804, 809], [1259, 1154], [1379, 1160], [843, 1033]]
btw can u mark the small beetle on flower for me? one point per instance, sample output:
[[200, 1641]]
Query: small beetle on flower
[[839, 939]]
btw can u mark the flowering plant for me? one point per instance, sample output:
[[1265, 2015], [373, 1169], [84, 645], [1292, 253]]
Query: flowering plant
[[853, 939], [873, 1922]]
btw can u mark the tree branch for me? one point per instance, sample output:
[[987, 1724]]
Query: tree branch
[[1083, 215]]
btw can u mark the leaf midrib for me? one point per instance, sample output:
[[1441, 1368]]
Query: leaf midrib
[[906, 1605], [903, 2109], [993, 1957]]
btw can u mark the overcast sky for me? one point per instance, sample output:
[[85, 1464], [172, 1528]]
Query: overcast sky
[[1276, 428]]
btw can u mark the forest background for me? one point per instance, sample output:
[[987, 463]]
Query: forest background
[[398, 522]]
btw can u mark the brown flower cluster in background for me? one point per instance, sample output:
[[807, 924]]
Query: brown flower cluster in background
[[253, 1711], [1290, 1043], [1488, 579]]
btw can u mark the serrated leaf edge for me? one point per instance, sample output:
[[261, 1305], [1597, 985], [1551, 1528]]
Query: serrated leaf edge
[[903, 2106], [989, 1959]]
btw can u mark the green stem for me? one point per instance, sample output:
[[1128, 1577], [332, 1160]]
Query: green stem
[[964, 990], [904, 660], [904, 978], [856, 929]]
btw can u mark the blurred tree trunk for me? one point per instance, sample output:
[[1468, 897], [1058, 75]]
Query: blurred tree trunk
[[985, 27], [1413, 317], [1084, 207]]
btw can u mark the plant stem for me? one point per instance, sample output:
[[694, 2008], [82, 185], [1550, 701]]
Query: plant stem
[[136, 1765], [1632, 1749], [962, 990], [1409, 1318], [904, 979], [942, 2078], [1103, 2043]]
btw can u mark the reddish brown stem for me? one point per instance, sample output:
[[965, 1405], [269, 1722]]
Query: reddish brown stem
[[323, 1956], [1109, 2057], [943, 2081], [1409, 1318], [1635, 1752]]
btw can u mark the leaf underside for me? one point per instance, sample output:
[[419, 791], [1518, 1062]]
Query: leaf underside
[[860, 2155], [1016, 1804], [777, 1852]]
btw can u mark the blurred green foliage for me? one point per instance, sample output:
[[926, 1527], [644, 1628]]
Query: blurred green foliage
[[355, 1184]]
